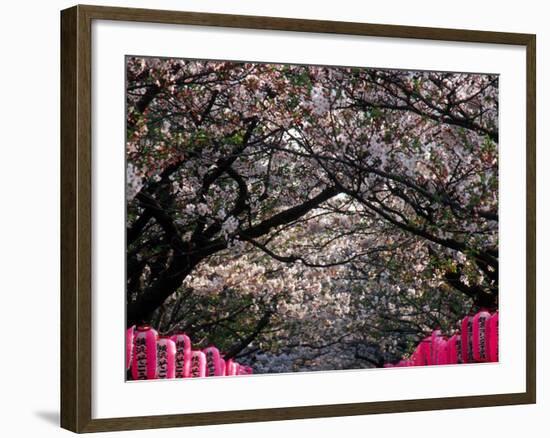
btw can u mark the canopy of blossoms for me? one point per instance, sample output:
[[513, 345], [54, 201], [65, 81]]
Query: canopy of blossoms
[[309, 217]]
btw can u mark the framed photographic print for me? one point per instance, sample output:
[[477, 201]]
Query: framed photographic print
[[268, 218]]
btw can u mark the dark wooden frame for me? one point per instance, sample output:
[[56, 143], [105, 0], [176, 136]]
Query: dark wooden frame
[[76, 244]]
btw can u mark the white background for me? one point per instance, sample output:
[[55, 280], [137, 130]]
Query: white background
[[29, 232]]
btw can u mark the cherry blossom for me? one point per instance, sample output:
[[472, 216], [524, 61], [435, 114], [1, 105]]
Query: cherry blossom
[[309, 217]]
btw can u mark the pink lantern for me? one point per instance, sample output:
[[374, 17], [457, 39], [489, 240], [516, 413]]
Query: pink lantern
[[230, 367], [492, 330], [129, 346], [166, 357], [144, 361], [213, 367], [479, 336], [421, 355], [247, 370], [454, 350], [442, 355], [222, 366], [183, 355], [466, 336], [438, 352], [198, 364], [389, 365]]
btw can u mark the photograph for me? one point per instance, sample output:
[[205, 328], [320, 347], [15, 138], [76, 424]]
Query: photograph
[[285, 218]]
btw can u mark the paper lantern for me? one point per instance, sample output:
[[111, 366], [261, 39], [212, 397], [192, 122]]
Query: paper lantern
[[144, 360], [166, 357], [231, 367], [183, 355], [454, 349], [213, 367], [492, 336], [198, 364], [421, 355], [222, 366], [129, 346], [467, 327], [441, 354], [479, 336], [438, 352]]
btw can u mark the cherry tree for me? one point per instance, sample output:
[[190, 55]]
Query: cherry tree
[[307, 217]]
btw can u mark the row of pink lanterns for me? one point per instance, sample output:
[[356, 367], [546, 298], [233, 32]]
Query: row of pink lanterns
[[477, 342], [150, 356]]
